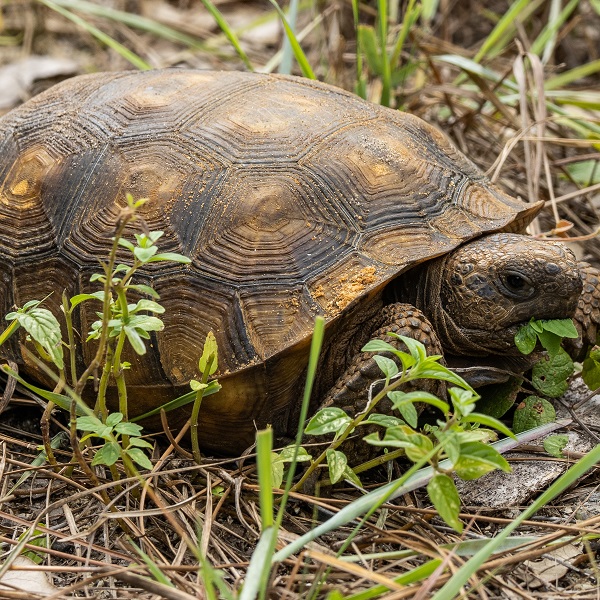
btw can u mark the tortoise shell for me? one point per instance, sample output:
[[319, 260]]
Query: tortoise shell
[[292, 198]]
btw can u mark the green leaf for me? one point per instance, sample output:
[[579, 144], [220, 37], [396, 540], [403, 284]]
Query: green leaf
[[328, 420], [444, 495], [171, 257], [140, 443], [126, 244], [277, 468], [416, 348], [79, 298], [145, 254], [336, 462], [145, 289], [555, 444], [526, 339], [591, 370], [130, 429], [287, 454], [107, 455], [145, 323], [388, 367], [433, 370], [550, 374], [382, 420], [44, 328], [463, 400], [114, 418], [532, 412], [148, 305], [489, 422], [405, 407], [140, 458], [135, 340], [477, 459], [208, 362], [378, 346], [550, 341], [198, 386], [563, 328], [497, 398], [89, 423]]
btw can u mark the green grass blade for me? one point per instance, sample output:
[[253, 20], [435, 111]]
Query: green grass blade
[[386, 73], [264, 447], [413, 10], [285, 67], [572, 75], [361, 85], [127, 54], [545, 41], [131, 20], [296, 48], [505, 27], [257, 575], [452, 588], [229, 33], [152, 566]]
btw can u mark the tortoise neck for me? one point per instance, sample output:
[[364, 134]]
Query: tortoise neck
[[422, 287]]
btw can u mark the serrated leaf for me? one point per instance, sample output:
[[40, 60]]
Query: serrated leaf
[[444, 496], [139, 457], [328, 420], [550, 374], [107, 455], [209, 358], [388, 367], [477, 459], [44, 328], [526, 339], [336, 462], [533, 412], [89, 423], [563, 328]]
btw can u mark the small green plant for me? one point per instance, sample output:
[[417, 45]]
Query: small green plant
[[120, 322], [459, 434]]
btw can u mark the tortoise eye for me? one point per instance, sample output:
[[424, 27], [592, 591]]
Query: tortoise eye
[[517, 284]]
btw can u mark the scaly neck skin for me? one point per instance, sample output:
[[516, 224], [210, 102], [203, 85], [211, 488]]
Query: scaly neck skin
[[422, 287]]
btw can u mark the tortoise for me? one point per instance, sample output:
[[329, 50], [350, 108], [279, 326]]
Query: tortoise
[[293, 199]]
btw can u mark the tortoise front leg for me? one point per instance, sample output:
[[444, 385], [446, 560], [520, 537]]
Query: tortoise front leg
[[350, 392], [587, 314]]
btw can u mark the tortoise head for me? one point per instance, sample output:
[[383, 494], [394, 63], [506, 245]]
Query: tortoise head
[[491, 286]]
